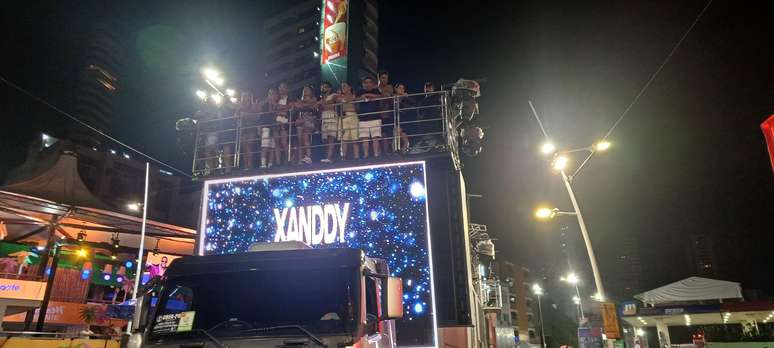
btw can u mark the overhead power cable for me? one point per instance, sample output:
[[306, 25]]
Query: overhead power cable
[[655, 73], [84, 124]]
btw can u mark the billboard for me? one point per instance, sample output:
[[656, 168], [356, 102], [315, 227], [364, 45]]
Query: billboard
[[17, 289], [334, 40], [381, 209], [156, 264]]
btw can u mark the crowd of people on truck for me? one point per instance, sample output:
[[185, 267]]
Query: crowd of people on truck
[[361, 122]]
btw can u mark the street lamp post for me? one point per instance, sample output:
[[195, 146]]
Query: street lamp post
[[559, 164], [592, 257], [573, 280], [538, 291]]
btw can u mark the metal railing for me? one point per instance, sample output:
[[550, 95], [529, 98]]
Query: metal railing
[[227, 139]]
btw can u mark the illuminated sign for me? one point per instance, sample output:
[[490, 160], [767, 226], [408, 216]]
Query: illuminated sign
[[313, 225], [156, 264], [21, 289], [334, 40], [380, 209], [334, 30]]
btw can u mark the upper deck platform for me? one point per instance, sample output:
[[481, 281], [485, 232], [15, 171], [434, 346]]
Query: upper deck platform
[[248, 139]]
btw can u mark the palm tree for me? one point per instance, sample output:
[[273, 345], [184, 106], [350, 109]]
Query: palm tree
[[89, 315]]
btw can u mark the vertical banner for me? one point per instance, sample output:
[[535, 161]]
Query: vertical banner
[[334, 30], [334, 41], [768, 132], [610, 320]]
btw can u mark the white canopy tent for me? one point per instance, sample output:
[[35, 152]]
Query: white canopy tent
[[693, 289]]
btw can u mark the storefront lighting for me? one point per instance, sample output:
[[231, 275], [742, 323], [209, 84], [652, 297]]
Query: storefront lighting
[[106, 276], [82, 252]]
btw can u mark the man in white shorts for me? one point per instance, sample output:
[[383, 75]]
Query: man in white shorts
[[370, 126]]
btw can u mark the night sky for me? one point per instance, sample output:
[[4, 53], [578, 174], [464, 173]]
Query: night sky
[[688, 158]]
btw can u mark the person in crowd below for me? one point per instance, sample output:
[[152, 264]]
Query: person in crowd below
[[330, 122], [305, 123], [370, 125], [388, 118], [282, 105], [266, 122], [406, 118], [249, 129], [349, 120]]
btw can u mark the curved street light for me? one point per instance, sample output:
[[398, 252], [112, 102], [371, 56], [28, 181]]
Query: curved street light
[[559, 164], [538, 291]]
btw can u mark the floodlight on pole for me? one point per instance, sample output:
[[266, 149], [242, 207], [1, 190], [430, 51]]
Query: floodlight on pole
[[545, 213], [560, 162], [576, 300], [548, 148], [537, 290], [571, 278], [211, 74], [602, 145], [217, 98], [201, 94], [230, 92]]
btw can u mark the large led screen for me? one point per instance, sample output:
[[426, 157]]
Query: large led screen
[[379, 209]]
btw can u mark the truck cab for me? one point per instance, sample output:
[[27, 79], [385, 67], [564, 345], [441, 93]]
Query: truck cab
[[276, 295]]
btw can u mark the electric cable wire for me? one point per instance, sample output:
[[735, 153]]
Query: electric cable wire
[[84, 124]]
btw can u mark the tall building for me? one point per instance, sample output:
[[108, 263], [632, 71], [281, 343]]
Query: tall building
[[523, 316], [702, 256], [623, 276], [314, 40], [98, 72]]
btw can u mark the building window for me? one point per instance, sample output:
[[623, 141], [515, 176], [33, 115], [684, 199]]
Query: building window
[[529, 303], [300, 30], [514, 317], [531, 334]]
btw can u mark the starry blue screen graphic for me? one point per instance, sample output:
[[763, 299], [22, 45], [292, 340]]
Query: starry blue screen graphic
[[386, 217]]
